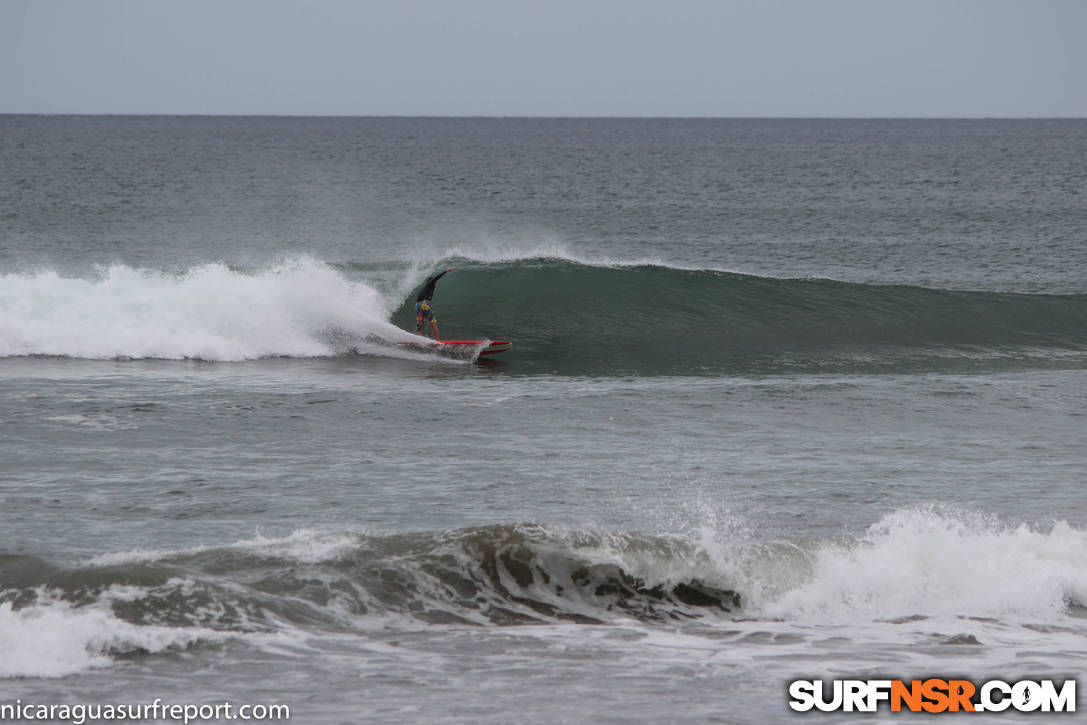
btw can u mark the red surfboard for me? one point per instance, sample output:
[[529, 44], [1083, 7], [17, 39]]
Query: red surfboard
[[463, 348]]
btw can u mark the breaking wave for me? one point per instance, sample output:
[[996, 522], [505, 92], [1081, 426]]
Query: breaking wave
[[913, 563], [564, 316]]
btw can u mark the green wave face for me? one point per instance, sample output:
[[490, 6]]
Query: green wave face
[[571, 318]]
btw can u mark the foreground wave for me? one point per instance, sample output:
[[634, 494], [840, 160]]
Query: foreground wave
[[912, 564], [564, 316]]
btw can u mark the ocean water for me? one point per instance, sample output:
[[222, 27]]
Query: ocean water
[[787, 399]]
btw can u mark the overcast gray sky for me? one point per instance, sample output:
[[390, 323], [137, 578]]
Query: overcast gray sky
[[901, 58]]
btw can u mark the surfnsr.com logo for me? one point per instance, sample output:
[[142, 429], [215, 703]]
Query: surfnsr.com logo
[[933, 695]]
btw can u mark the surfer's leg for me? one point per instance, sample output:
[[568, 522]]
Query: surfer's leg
[[433, 317], [424, 313]]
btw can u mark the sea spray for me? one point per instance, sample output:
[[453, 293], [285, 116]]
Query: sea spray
[[210, 312], [925, 561]]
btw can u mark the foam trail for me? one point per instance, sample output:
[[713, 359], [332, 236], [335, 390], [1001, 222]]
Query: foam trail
[[300, 308]]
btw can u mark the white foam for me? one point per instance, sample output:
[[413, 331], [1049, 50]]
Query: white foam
[[57, 639], [926, 562], [305, 546], [210, 312]]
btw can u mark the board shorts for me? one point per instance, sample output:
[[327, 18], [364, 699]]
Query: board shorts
[[424, 312]]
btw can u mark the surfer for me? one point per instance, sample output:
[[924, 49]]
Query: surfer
[[424, 309]]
